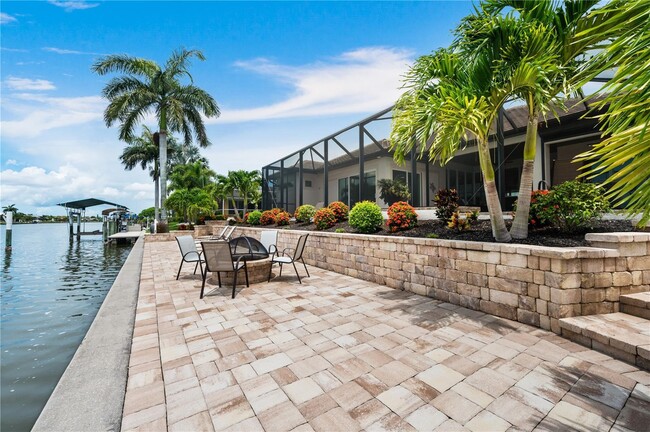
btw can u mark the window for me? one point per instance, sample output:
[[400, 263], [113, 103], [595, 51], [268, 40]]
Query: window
[[307, 183], [349, 188], [405, 177], [343, 190]]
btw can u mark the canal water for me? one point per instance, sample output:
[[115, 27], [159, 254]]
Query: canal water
[[51, 291]]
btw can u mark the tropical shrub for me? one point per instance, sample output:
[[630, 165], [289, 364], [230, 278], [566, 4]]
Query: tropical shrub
[[457, 223], [304, 213], [366, 217], [340, 210], [446, 201], [401, 216], [282, 218], [324, 218], [571, 206], [162, 227], [537, 204], [392, 191], [254, 217], [267, 217]]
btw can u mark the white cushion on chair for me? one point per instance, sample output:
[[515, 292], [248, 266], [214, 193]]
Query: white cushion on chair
[[282, 259]]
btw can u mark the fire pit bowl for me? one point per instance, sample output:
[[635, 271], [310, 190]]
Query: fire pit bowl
[[248, 248], [257, 260]]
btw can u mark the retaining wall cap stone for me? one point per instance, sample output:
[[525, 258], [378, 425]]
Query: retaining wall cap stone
[[619, 237]]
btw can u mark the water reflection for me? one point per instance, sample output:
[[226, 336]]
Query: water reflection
[[51, 291], [6, 264]]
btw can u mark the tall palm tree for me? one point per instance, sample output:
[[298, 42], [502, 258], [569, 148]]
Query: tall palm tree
[[147, 87], [621, 29], [451, 99], [540, 34], [143, 150]]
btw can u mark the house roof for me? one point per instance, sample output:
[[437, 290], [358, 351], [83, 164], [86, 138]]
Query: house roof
[[515, 121], [89, 202]]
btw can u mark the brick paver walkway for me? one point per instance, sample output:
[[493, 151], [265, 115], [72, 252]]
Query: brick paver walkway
[[337, 353]]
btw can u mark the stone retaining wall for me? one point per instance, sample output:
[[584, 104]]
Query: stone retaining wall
[[531, 284]]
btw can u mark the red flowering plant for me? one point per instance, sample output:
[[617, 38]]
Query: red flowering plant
[[282, 218], [324, 218], [538, 215], [401, 216], [340, 210], [267, 218]]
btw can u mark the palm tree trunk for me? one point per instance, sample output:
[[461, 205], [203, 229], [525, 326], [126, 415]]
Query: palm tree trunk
[[234, 206], [519, 229], [499, 230], [163, 172], [156, 204], [156, 197]]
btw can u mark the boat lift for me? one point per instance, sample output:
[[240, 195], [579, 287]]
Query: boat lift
[[77, 210]]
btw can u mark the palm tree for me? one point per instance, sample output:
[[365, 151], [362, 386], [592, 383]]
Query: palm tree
[[188, 154], [247, 184], [143, 150], [10, 208], [189, 176], [226, 187], [191, 203], [450, 97], [622, 29], [538, 46], [220, 191], [147, 87]]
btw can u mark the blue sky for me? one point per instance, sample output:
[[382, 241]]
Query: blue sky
[[283, 73]]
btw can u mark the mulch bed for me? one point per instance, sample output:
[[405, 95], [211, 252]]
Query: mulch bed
[[482, 231]]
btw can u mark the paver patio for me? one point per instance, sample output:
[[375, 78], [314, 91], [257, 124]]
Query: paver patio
[[337, 353]]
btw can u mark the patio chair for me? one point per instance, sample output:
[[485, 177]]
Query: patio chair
[[284, 258], [269, 239], [225, 234], [189, 253], [218, 258], [221, 234]]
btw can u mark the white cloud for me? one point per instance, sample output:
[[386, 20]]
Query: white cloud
[[13, 49], [26, 84], [64, 51], [73, 5], [11, 162], [6, 18], [39, 113], [363, 80]]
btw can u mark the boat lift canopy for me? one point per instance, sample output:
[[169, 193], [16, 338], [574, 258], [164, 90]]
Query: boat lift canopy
[[76, 210], [89, 202]]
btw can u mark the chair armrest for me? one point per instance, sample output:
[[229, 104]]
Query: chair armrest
[[284, 251], [273, 249], [237, 262]]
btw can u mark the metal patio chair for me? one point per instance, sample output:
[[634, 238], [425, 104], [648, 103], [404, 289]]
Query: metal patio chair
[[218, 258], [225, 234], [284, 258], [189, 253], [269, 240]]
